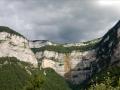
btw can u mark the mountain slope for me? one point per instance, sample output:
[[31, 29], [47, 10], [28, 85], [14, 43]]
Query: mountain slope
[[47, 79], [107, 51], [107, 63], [13, 75], [106, 79]]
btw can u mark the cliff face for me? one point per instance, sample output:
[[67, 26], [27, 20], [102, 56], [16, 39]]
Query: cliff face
[[15, 45], [108, 49], [74, 66], [77, 66]]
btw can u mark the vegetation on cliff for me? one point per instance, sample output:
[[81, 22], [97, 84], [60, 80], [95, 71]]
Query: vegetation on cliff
[[13, 76], [8, 30], [62, 49], [108, 79]]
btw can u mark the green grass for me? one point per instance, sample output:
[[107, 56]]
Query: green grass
[[8, 30]]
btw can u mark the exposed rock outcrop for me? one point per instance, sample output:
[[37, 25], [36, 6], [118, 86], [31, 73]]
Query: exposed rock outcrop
[[13, 44], [74, 66]]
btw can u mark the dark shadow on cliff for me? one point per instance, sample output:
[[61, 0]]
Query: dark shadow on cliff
[[81, 73]]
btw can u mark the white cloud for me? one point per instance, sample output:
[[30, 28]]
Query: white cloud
[[108, 2]]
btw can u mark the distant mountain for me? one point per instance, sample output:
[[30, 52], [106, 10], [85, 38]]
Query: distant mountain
[[40, 43]]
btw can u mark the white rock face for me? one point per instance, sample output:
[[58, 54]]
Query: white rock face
[[15, 46], [47, 63], [75, 66]]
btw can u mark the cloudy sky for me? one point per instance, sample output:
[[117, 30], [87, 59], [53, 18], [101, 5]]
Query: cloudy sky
[[60, 20]]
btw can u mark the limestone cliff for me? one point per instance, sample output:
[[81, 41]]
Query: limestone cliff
[[74, 66], [12, 44]]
